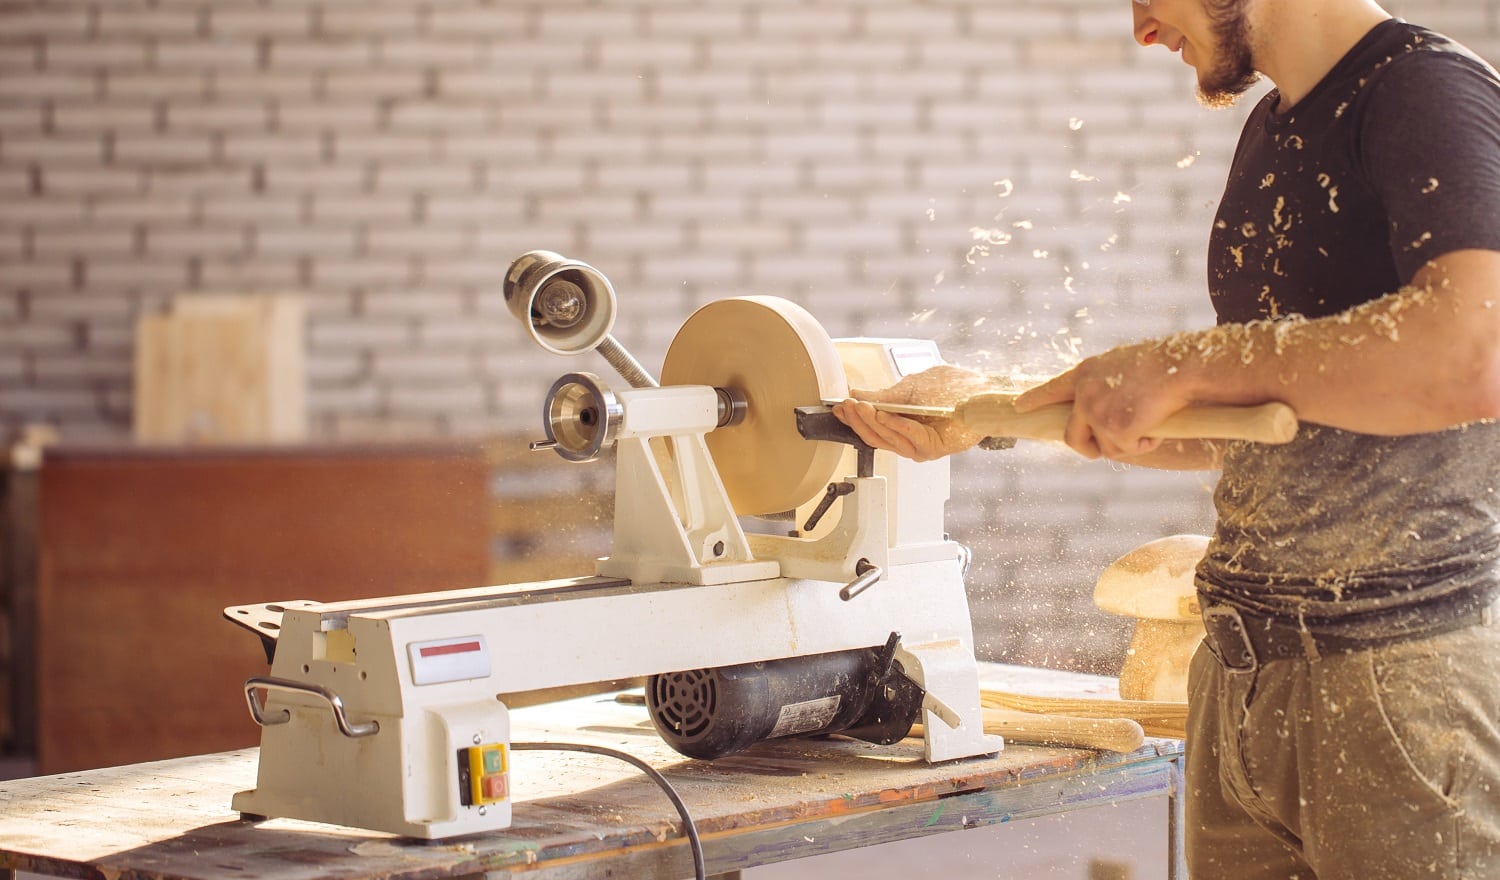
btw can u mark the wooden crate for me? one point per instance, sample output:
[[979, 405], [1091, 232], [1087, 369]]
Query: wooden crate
[[140, 550], [222, 368]]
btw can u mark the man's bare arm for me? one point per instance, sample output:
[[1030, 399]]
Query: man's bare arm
[[1422, 359]]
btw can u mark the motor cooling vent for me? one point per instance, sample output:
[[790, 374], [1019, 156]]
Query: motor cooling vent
[[684, 702]]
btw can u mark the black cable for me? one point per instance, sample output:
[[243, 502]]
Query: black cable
[[689, 828]]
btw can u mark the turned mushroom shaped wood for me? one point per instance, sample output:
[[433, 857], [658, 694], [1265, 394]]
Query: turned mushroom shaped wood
[[1154, 584]]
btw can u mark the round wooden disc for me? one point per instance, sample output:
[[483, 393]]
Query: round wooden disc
[[777, 356]]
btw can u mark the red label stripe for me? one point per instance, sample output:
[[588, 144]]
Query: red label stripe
[[455, 648]]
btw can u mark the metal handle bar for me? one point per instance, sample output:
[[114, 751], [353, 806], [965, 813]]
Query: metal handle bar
[[267, 683]]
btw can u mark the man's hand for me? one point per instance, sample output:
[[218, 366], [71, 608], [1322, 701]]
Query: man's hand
[[1118, 397], [919, 440]]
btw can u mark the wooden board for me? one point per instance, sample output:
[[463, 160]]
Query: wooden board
[[225, 368], [577, 815], [141, 550]]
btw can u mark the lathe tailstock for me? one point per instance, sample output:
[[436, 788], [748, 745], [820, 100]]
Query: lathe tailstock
[[387, 714]]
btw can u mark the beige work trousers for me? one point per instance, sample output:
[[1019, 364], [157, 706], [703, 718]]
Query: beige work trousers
[[1381, 763]]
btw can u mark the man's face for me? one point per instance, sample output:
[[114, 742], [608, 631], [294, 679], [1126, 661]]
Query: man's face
[[1212, 35]]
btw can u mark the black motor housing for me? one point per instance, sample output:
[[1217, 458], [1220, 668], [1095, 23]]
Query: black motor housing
[[710, 713]]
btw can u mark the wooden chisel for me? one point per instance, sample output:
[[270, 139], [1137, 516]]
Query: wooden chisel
[[994, 415], [1110, 734], [1156, 717]]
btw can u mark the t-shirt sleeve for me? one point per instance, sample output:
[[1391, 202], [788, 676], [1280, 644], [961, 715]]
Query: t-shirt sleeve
[[1430, 147]]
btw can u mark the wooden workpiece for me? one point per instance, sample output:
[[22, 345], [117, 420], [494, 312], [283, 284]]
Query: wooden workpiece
[[778, 357], [581, 816]]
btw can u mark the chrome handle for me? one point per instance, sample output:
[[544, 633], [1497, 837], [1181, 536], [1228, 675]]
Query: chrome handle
[[868, 573], [266, 683]]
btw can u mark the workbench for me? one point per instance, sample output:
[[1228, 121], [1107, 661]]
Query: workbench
[[586, 816]]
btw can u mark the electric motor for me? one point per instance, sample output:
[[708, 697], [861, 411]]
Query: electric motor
[[710, 713]]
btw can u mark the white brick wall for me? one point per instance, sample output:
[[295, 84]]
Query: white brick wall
[[388, 159]]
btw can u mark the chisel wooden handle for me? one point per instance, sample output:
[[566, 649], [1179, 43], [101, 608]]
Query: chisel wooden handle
[[994, 415], [1111, 734]]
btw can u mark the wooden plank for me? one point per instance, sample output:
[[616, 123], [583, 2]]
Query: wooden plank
[[576, 815], [222, 368]]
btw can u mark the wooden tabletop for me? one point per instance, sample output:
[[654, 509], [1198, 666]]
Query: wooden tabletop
[[577, 815]]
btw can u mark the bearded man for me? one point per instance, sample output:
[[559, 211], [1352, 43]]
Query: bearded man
[[1344, 718]]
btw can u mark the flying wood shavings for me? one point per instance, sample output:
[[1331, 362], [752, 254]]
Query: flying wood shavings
[[1385, 325], [1272, 305], [989, 236], [1075, 123], [1266, 181], [1005, 187], [1431, 187], [1333, 192], [1282, 331], [1187, 161], [1069, 350], [1075, 174], [1121, 198]]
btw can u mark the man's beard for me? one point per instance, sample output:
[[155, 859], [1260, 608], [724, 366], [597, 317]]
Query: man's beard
[[1234, 70]]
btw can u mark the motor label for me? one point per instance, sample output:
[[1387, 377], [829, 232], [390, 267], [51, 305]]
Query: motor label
[[806, 716]]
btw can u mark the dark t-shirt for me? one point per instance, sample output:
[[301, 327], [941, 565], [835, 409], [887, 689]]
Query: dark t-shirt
[[1391, 161]]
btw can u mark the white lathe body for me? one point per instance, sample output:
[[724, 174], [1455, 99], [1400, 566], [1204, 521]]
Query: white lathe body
[[388, 714]]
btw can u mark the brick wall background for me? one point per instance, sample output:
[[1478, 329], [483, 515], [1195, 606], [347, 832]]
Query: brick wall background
[[1015, 179]]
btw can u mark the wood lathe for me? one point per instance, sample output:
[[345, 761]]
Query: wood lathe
[[389, 714]]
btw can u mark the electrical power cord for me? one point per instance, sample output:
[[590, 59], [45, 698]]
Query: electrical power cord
[[689, 828]]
